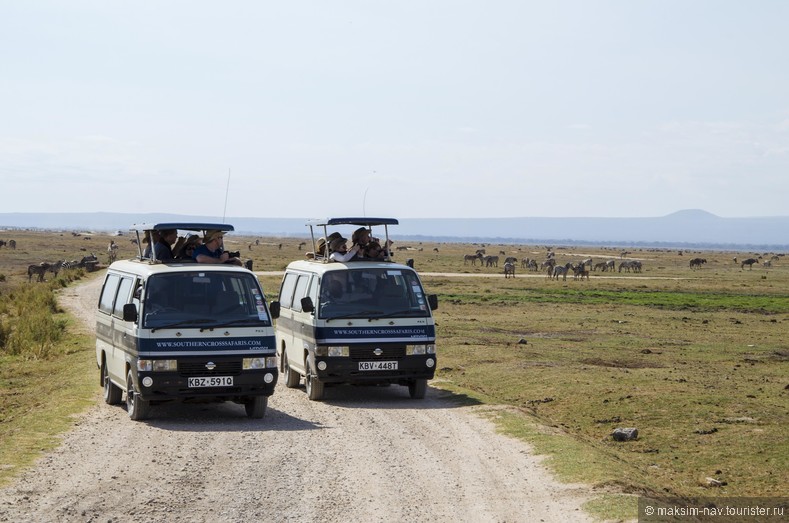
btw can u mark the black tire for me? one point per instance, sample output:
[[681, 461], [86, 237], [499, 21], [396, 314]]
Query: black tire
[[314, 385], [256, 406], [137, 408], [417, 388], [112, 393], [292, 378]]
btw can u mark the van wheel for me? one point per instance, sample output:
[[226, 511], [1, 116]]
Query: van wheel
[[256, 406], [137, 408], [292, 378], [417, 388], [112, 393], [314, 385]]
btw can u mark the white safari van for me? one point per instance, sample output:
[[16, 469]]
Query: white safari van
[[184, 331], [359, 322]]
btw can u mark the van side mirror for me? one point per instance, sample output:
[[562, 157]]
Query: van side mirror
[[307, 305], [274, 309], [432, 300], [130, 312]]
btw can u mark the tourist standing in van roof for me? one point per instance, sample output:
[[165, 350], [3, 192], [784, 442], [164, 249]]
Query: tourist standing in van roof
[[339, 250], [212, 250], [163, 248]]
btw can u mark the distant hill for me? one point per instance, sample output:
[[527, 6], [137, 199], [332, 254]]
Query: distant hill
[[684, 228]]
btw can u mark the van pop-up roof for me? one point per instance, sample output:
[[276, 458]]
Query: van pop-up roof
[[197, 227], [369, 223]]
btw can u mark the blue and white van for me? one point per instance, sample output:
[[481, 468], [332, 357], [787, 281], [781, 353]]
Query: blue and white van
[[184, 331], [358, 322]]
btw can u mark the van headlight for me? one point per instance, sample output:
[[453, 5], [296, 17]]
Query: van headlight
[[332, 351], [157, 365], [420, 350], [269, 362]]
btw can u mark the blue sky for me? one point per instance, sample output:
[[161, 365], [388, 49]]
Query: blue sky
[[411, 109]]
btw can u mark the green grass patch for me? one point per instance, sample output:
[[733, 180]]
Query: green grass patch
[[695, 301], [39, 399]]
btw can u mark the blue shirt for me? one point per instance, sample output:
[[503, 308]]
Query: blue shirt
[[205, 251]]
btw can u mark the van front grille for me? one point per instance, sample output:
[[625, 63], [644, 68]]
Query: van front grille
[[198, 368], [367, 352]]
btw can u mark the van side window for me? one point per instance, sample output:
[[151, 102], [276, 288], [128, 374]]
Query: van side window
[[286, 292], [312, 292], [123, 297], [301, 291], [107, 299]]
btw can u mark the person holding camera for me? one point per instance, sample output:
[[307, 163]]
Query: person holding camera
[[213, 251]]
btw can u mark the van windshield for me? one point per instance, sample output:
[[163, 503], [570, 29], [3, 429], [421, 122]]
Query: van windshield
[[203, 299], [371, 293]]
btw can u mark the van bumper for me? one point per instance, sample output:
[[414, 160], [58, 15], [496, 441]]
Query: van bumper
[[166, 386], [347, 370]]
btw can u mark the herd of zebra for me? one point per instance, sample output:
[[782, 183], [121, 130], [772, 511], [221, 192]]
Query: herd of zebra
[[40, 270], [550, 266]]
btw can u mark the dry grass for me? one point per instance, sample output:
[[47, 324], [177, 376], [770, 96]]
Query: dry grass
[[698, 360]]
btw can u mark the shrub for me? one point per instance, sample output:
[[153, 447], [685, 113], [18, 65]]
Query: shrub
[[29, 329]]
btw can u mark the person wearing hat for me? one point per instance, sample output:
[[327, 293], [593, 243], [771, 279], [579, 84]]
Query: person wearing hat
[[339, 250], [212, 250], [185, 246]]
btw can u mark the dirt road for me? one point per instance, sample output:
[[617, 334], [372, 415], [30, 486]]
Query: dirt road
[[364, 454]]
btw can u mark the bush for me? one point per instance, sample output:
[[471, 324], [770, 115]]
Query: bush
[[29, 329]]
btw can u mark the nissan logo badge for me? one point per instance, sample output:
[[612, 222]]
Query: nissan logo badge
[[378, 351], [210, 365]]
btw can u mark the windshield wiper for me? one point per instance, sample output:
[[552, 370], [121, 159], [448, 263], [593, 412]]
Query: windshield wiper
[[197, 321], [355, 314], [405, 312], [242, 321]]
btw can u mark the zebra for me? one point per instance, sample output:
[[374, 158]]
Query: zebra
[[472, 258], [491, 261], [561, 270], [580, 271], [509, 269], [601, 265], [39, 270], [696, 263]]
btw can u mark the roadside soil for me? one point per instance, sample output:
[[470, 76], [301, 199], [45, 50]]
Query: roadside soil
[[364, 454]]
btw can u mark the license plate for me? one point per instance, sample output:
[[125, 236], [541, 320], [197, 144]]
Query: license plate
[[377, 365], [214, 381]]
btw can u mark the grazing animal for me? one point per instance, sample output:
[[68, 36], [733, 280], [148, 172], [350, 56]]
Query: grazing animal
[[696, 263], [580, 271], [561, 270], [435, 249], [600, 265], [588, 262], [12, 244], [491, 261], [611, 265], [2, 242], [749, 262], [509, 269], [472, 258], [548, 264], [511, 259], [39, 270]]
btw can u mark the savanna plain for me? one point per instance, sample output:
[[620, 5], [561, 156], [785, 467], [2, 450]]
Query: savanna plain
[[697, 359]]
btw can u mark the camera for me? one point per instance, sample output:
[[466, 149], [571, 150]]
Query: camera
[[234, 254]]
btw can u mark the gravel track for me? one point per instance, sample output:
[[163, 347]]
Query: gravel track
[[365, 454]]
